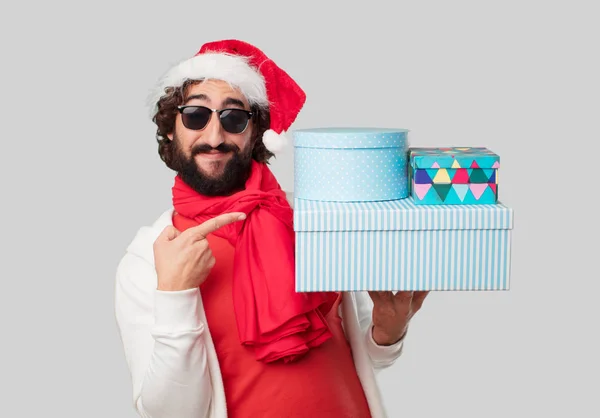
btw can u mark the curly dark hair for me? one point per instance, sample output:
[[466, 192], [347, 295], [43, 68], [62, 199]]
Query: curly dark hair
[[167, 113]]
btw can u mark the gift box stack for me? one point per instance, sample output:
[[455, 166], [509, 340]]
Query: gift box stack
[[373, 213]]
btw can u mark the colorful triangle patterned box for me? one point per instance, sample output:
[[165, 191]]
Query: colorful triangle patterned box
[[453, 176]]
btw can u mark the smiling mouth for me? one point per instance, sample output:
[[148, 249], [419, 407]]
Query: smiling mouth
[[213, 155]]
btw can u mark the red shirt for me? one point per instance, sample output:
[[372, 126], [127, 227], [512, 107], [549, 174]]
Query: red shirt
[[322, 384]]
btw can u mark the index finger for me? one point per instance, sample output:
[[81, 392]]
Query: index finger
[[418, 300], [201, 231]]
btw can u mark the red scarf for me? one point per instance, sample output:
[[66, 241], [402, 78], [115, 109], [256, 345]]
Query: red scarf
[[272, 318]]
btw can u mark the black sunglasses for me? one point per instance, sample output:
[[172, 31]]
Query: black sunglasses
[[234, 121]]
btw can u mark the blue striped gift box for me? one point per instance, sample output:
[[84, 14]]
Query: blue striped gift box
[[397, 245]]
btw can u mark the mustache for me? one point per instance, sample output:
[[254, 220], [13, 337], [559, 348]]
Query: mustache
[[204, 148]]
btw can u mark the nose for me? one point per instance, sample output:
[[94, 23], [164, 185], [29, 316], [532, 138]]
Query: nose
[[213, 133]]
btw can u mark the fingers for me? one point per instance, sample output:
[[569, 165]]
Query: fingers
[[201, 231], [169, 233], [211, 262], [408, 299], [417, 300], [374, 296], [404, 296], [380, 296]]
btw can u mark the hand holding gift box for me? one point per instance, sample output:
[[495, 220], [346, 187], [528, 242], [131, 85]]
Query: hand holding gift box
[[392, 314]]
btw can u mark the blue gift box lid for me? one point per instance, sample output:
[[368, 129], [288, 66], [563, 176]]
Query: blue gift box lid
[[393, 215], [350, 138], [453, 157]]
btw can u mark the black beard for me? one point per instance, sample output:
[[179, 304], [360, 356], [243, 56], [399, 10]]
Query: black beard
[[235, 173]]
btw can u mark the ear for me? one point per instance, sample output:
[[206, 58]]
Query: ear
[[170, 136]]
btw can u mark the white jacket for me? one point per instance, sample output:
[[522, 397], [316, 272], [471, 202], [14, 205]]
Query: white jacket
[[169, 350]]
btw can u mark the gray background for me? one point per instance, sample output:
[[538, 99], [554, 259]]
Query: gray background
[[80, 174]]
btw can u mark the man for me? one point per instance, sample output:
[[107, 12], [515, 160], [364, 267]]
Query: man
[[205, 302]]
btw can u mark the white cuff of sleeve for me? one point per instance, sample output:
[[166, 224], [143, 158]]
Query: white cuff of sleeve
[[176, 311], [383, 353]]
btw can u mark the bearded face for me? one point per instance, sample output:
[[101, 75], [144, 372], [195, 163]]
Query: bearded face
[[212, 147], [226, 173]]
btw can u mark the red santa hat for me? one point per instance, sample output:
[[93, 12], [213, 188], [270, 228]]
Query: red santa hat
[[247, 68]]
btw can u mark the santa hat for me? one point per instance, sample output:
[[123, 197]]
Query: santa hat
[[247, 68]]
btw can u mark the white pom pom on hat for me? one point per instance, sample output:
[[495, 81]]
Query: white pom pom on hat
[[247, 68], [275, 142]]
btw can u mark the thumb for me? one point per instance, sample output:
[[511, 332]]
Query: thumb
[[169, 233]]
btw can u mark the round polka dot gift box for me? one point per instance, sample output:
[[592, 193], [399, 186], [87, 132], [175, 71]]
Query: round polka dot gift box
[[351, 164]]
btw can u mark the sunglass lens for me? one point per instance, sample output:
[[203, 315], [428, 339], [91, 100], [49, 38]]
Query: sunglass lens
[[234, 121], [195, 117]]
